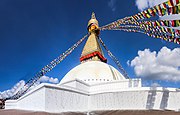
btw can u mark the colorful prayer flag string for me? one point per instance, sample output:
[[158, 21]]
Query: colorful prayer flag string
[[163, 29]]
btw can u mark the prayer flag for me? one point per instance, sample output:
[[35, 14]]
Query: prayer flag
[[170, 3], [177, 2], [147, 14]]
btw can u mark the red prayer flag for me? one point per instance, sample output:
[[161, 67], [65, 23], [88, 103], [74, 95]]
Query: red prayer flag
[[177, 32], [172, 23], [164, 5], [177, 2], [170, 10]]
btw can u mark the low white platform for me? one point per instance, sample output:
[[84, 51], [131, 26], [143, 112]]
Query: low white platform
[[77, 95]]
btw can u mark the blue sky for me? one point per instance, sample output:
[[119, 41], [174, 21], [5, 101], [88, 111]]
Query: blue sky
[[34, 32]]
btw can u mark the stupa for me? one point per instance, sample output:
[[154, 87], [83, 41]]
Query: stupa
[[93, 68], [95, 85]]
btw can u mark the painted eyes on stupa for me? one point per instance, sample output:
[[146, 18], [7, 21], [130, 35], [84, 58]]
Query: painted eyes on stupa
[[94, 28]]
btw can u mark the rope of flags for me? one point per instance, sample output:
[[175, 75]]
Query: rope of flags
[[114, 59], [151, 34], [159, 10], [163, 29], [169, 34], [167, 8], [46, 69], [167, 23]]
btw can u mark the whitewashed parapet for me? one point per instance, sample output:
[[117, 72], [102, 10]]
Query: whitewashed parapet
[[84, 97]]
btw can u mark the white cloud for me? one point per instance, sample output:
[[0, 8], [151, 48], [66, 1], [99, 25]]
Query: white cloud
[[12, 91], [143, 4], [112, 5], [152, 3], [53, 80], [128, 63], [45, 79], [155, 85], [49, 79], [162, 65], [20, 84]]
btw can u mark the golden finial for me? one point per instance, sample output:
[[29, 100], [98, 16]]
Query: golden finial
[[93, 16], [93, 20]]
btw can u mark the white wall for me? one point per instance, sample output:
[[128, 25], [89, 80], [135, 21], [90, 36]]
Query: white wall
[[173, 101], [53, 98], [77, 84], [119, 100], [65, 100], [115, 85], [33, 101], [11, 104]]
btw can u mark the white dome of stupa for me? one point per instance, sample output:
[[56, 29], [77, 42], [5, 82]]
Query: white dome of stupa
[[93, 72]]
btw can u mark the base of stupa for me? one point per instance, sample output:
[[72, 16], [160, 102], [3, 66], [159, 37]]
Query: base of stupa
[[78, 96], [110, 112]]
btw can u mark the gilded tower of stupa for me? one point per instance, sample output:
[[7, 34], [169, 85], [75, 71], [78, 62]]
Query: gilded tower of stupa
[[92, 49]]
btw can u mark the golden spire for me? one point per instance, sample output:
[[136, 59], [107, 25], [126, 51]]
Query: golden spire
[[93, 16], [92, 50], [93, 20]]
